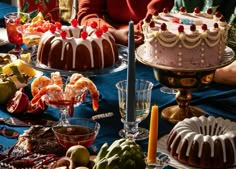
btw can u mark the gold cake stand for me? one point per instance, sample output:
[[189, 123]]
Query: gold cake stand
[[184, 80]]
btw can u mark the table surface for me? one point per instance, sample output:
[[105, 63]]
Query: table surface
[[215, 99]]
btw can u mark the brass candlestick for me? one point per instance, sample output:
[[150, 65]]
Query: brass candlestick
[[184, 80]]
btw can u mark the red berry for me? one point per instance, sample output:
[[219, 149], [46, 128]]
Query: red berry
[[104, 28], [216, 25], [84, 35], [182, 9], [152, 24], [94, 24], [148, 18], [52, 28], [222, 19], [74, 22], [197, 10], [209, 11], [63, 34], [181, 28], [218, 14], [204, 27], [156, 13], [98, 32], [163, 27], [165, 10], [193, 27], [58, 25]]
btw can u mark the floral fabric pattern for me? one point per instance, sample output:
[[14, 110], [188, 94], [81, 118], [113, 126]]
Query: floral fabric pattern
[[49, 8]]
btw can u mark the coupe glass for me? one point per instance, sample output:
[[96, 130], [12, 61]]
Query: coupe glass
[[143, 91], [12, 21]]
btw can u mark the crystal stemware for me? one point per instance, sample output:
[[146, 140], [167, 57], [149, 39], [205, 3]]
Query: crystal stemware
[[143, 90], [12, 21]]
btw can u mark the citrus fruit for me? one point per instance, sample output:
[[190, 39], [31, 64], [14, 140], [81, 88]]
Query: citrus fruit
[[79, 155]]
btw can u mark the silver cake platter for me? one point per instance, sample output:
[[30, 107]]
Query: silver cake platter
[[118, 66], [225, 60]]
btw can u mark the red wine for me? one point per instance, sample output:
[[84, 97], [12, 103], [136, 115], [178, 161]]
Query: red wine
[[68, 136]]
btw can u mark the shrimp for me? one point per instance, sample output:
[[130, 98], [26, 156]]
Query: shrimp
[[54, 92], [75, 77], [85, 83], [39, 83], [57, 79]]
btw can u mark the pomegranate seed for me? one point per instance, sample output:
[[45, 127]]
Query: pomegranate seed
[[209, 11], [74, 22], [181, 28], [204, 27], [197, 10], [84, 35], [193, 27], [163, 27], [63, 34]]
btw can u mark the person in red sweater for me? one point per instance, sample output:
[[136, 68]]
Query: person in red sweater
[[117, 14]]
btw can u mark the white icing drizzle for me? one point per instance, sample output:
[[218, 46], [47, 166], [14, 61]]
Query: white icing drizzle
[[189, 129]]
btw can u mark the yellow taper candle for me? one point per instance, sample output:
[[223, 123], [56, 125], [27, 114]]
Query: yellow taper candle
[[153, 135]]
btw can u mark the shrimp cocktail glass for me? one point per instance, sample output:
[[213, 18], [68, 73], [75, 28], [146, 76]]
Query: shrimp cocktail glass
[[65, 96], [12, 21]]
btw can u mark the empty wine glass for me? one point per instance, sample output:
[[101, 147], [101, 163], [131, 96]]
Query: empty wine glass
[[12, 21], [143, 90]]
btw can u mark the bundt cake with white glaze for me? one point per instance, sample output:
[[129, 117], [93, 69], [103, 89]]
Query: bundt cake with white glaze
[[185, 40], [77, 48], [205, 142]]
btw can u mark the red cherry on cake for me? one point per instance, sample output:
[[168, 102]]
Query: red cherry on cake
[[182, 9], [193, 27], [156, 13], [152, 24], [74, 22], [216, 25], [148, 18], [222, 19], [52, 28], [58, 25], [181, 28], [94, 24], [98, 32], [204, 27], [209, 11], [218, 14], [63, 34], [84, 35], [165, 10], [197, 10], [163, 27], [104, 28]]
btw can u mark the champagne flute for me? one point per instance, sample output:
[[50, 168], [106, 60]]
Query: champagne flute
[[143, 91], [12, 21]]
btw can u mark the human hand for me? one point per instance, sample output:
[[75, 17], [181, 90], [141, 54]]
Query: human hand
[[121, 36]]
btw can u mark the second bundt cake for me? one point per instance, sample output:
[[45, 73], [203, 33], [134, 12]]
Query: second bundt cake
[[204, 142]]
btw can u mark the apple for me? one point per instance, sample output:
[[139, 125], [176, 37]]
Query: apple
[[7, 89]]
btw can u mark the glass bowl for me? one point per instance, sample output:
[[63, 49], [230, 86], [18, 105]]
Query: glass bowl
[[76, 131]]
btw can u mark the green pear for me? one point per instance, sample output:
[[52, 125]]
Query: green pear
[[79, 155]]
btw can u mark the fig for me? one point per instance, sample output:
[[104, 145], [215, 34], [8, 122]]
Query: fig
[[63, 162], [18, 103]]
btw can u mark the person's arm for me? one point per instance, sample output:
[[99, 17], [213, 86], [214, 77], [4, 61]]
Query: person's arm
[[226, 75]]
